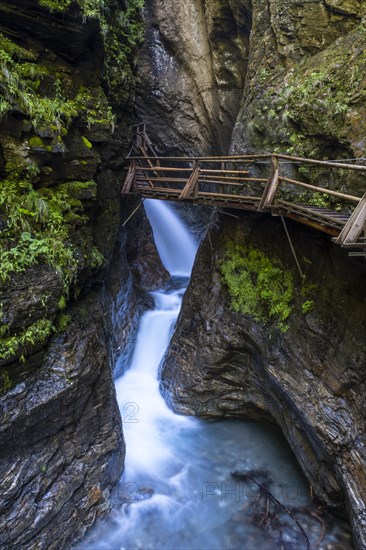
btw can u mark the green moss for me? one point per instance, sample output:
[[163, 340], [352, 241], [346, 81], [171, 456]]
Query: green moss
[[55, 5], [20, 344], [39, 228], [36, 142], [321, 99], [62, 322], [5, 382], [86, 142], [258, 286]]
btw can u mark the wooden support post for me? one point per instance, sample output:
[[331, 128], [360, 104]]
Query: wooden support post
[[130, 179], [271, 187], [191, 187], [221, 186], [355, 225]]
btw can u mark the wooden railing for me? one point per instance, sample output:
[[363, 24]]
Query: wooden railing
[[252, 182]]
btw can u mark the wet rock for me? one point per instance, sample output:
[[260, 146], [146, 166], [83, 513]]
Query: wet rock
[[56, 471], [310, 379], [146, 267], [192, 70]]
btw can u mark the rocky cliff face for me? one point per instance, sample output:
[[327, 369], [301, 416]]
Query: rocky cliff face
[[304, 88], [191, 72], [65, 108], [309, 379], [287, 76]]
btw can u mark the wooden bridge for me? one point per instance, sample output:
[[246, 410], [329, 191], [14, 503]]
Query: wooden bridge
[[258, 183]]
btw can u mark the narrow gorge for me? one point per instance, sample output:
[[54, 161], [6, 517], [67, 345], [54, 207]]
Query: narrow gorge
[[139, 405]]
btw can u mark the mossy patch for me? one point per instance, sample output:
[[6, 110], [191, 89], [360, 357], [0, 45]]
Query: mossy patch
[[39, 226], [262, 287], [321, 99], [19, 344], [258, 286]]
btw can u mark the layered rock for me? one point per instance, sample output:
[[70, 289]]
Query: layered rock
[[191, 72], [304, 88], [65, 119], [62, 447], [309, 379]]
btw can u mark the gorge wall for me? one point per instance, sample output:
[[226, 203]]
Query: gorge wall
[[214, 76], [69, 301], [307, 376], [293, 83]]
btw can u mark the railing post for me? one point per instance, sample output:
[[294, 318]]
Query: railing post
[[221, 185], [130, 179], [195, 188], [270, 190]]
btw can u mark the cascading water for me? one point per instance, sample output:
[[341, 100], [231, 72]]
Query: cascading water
[[175, 245], [177, 491]]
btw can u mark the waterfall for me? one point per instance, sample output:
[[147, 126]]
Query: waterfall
[[177, 491], [175, 245]]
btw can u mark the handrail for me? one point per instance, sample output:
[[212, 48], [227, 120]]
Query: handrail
[[180, 178], [250, 159]]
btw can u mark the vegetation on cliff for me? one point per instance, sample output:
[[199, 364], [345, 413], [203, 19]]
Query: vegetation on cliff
[[258, 286], [261, 286], [53, 120]]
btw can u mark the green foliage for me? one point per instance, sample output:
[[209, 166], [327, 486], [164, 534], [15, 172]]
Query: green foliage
[[62, 303], [39, 227], [257, 285], [5, 382], [19, 344], [86, 142], [24, 87], [55, 5], [307, 306], [62, 322]]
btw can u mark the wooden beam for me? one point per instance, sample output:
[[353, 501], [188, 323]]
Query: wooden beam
[[353, 228], [321, 190], [191, 183], [129, 179], [271, 187]]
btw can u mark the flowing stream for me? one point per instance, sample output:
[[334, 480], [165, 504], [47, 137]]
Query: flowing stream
[[177, 491]]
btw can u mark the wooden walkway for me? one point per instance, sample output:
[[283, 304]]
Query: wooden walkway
[[257, 183]]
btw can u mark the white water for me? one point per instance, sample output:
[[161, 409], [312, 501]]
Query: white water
[[176, 246], [181, 463]]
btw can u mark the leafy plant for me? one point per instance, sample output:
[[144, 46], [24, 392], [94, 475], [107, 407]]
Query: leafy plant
[[19, 344], [258, 286]]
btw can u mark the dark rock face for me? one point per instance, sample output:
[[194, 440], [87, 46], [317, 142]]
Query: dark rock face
[[310, 380], [56, 472], [147, 270], [61, 441], [191, 72]]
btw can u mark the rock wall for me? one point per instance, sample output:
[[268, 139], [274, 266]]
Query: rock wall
[[192, 72], [304, 88], [68, 300], [309, 379], [256, 75]]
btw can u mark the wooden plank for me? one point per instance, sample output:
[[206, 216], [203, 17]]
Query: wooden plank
[[309, 211], [240, 172], [268, 185], [321, 190], [353, 228], [129, 179], [222, 179], [271, 187], [225, 182], [167, 169], [323, 163], [178, 180], [249, 159], [312, 223], [191, 183]]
